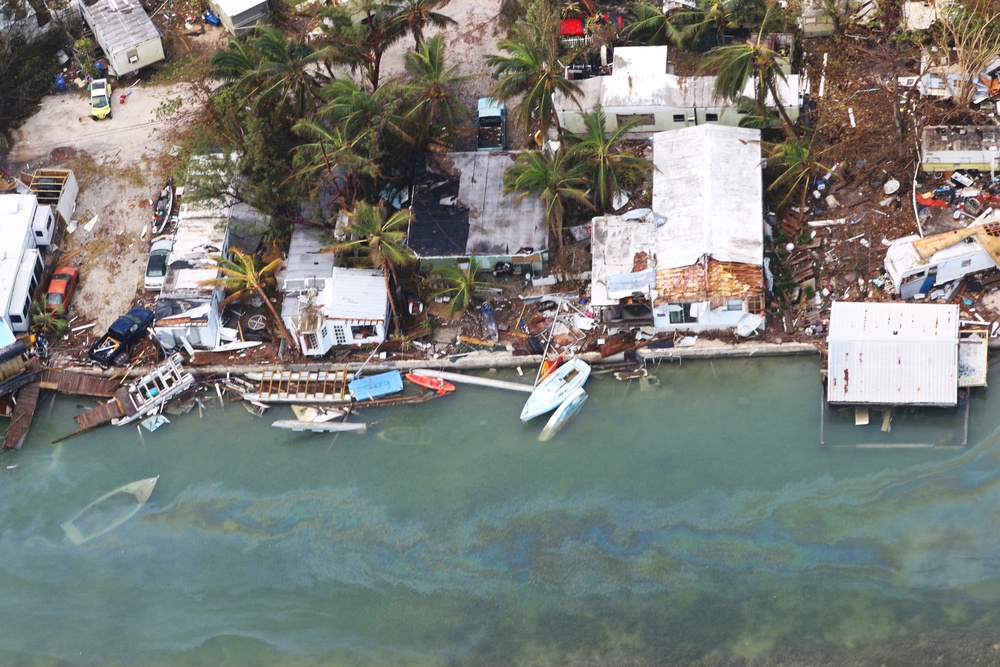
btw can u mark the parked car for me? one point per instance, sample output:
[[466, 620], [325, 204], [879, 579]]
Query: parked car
[[115, 345], [100, 99], [61, 288], [156, 265]]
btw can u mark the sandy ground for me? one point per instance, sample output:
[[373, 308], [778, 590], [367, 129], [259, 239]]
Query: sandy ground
[[120, 165]]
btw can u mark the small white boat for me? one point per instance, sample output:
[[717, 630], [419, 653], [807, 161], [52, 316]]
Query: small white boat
[[109, 511], [556, 388], [316, 413], [563, 413], [321, 427]]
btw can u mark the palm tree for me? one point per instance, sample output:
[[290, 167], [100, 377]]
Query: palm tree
[[715, 16], [457, 284], [652, 26], [381, 239], [51, 322], [736, 65], [432, 87], [359, 33], [557, 179], [531, 71], [272, 69], [797, 161], [244, 277], [610, 166], [342, 161], [359, 111], [415, 15]]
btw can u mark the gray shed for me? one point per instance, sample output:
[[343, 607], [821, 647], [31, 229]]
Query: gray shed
[[239, 16], [126, 34]]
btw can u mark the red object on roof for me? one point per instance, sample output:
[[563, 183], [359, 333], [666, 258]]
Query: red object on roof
[[572, 28]]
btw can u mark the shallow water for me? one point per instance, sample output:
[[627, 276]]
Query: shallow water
[[694, 522]]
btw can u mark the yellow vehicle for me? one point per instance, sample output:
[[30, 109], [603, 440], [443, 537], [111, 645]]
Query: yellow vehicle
[[100, 99]]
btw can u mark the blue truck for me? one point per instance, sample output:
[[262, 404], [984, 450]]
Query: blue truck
[[492, 125], [113, 348]]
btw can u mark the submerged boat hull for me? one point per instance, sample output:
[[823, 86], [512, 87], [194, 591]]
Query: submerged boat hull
[[321, 427], [563, 414], [78, 533]]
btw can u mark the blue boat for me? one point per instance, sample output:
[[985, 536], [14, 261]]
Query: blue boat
[[376, 386], [490, 321]]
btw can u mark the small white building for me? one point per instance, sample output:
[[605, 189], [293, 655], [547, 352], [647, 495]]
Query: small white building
[[24, 226], [893, 354], [695, 262], [643, 87], [326, 306], [239, 16], [948, 148], [919, 265], [125, 33]]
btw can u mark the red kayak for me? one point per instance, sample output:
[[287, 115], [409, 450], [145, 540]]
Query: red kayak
[[437, 384]]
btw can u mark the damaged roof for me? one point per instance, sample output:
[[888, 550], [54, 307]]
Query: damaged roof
[[460, 208], [122, 24], [711, 280], [893, 353], [617, 245], [707, 183]]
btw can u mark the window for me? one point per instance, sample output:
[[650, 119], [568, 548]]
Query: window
[[312, 343], [678, 118], [324, 333], [966, 262], [639, 118], [712, 117], [132, 55], [340, 335], [734, 304]]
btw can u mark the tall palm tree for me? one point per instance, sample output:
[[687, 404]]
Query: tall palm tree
[[736, 65], [611, 167], [381, 239], [650, 25], [359, 33], [459, 285], [531, 71], [432, 87], [331, 157], [360, 111], [715, 16], [797, 161], [246, 276], [557, 179], [415, 15], [274, 70]]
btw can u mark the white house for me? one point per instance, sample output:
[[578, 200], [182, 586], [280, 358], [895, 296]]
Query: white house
[[893, 354], [918, 265], [125, 33], [24, 226], [695, 262], [326, 306], [643, 87], [239, 16]]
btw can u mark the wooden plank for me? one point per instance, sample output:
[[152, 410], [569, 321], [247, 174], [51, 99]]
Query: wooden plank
[[24, 412]]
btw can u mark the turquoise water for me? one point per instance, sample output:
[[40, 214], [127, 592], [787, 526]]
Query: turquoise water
[[697, 522]]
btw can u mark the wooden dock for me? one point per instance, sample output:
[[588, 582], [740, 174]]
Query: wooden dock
[[24, 412], [301, 387], [68, 382]]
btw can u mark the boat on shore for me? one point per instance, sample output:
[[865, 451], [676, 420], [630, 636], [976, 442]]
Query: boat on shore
[[563, 414], [556, 388], [317, 413], [321, 427], [101, 516], [162, 207], [439, 385]]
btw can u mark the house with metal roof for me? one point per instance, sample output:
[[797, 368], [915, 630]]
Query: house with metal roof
[[125, 33], [327, 306], [643, 87], [695, 261], [460, 209], [894, 353], [239, 16]]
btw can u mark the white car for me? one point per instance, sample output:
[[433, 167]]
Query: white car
[[156, 265]]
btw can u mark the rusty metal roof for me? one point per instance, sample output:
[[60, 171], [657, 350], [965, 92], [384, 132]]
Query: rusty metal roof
[[893, 354]]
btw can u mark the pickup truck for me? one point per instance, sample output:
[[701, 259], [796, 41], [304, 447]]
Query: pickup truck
[[100, 99], [113, 347], [492, 124]]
